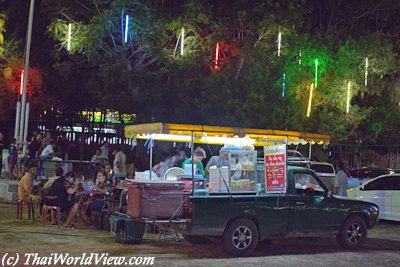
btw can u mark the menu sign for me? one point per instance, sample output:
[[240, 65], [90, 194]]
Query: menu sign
[[275, 168]]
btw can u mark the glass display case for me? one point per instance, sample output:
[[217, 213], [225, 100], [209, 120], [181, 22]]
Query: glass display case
[[242, 170]]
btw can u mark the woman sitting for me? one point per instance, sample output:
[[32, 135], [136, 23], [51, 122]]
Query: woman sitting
[[58, 195], [102, 184]]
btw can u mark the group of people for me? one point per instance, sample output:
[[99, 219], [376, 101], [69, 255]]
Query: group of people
[[39, 147], [60, 191]]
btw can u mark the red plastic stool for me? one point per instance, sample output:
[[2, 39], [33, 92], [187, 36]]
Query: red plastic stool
[[52, 208], [31, 209]]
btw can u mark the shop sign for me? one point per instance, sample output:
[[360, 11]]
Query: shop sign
[[275, 168]]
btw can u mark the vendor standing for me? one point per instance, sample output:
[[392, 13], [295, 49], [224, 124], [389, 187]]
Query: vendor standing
[[198, 155], [219, 161]]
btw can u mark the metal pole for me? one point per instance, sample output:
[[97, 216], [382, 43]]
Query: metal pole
[[17, 117], [26, 69], [26, 127], [309, 151], [151, 156], [191, 153]]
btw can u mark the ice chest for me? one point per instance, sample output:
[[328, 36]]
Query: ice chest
[[155, 199]]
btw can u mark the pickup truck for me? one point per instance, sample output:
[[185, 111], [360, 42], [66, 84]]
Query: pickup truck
[[306, 209]]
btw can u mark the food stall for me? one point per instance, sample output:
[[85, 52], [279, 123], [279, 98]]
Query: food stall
[[240, 174]]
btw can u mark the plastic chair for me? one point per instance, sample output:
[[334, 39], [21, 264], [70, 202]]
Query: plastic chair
[[52, 208], [31, 209]]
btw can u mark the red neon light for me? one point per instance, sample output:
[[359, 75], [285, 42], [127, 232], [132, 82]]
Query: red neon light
[[22, 81], [217, 57]]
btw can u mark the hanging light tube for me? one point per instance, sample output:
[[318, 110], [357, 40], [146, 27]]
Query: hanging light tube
[[279, 43], [348, 97], [300, 57], [69, 36], [182, 40], [283, 84], [366, 72], [22, 81], [217, 57], [309, 100], [126, 28], [316, 72]]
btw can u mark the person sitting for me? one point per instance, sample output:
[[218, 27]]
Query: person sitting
[[57, 195], [97, 157], [102, 184], [198, 155], [59, 173], [48, 151], [25, 185]]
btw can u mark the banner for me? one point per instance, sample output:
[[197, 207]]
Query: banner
[[275, 168]]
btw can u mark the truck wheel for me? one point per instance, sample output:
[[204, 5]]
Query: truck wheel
[[240, 237], [195, 239], [353, 233]]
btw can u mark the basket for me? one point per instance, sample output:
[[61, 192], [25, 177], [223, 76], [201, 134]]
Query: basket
[[126, 230]]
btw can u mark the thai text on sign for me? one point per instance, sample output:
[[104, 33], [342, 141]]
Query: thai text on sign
[[275, 168]]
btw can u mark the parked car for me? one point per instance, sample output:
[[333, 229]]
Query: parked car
[[358, 176], [383, 191]]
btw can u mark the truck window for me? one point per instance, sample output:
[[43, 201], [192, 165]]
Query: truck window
[[303, 181]]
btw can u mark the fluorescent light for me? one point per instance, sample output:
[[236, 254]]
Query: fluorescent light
[[348, 97], [69, 37], [126, 28], [182, 40], [309, 100]]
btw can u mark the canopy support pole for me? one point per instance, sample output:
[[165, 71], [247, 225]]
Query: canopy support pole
[[192, 154], [309, 152]]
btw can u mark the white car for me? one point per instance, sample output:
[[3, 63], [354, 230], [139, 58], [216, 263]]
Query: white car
[[383, 191]]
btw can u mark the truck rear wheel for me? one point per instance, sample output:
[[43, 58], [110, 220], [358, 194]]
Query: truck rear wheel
[[240, 237], [353, 233]]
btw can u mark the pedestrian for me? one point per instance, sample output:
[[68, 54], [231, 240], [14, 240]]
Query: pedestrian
[[1, 152], [12, 158], [341, 183], [104, 151], [119, 164]]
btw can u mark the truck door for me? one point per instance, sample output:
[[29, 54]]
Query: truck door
[[312, 211]]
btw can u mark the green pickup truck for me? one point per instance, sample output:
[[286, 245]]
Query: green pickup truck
[[307, 209]]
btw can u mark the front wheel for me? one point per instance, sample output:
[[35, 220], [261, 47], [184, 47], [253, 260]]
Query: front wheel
[[240, 237], [353, 233]]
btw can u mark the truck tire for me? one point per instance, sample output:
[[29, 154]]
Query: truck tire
[[195, 239], [353, 233], [240, 237]]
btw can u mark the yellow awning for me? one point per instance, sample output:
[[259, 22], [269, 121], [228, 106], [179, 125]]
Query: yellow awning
[[204, 134]]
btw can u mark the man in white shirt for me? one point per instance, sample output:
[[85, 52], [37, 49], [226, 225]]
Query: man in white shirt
[[341, 181], [119, 163], [47, 152]]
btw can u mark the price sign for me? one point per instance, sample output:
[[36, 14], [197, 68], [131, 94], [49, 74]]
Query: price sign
[[275, 168]]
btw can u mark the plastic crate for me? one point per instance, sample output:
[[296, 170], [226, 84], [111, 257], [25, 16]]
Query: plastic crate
[[126, 230]]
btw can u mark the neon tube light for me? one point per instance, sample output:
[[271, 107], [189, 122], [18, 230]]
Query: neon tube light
[[309, 100], [300, 57], [69, 36], [366, 72], [182, 40], [316, 72], [279, 44], [348, 97], [22, 81], [217, 57], [126, 28], [283, 84]]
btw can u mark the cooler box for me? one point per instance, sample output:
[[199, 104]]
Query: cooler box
[[155, 199], [187, 179]]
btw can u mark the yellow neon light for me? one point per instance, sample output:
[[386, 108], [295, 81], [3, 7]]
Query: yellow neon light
[[348, 97], [309, 100]]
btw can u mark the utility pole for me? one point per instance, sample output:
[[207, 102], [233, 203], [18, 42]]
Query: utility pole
[[24, 107]]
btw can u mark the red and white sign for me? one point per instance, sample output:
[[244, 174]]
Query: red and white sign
[[275, 168]]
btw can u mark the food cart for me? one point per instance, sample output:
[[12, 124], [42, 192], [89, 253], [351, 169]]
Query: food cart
[[241, 162]]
